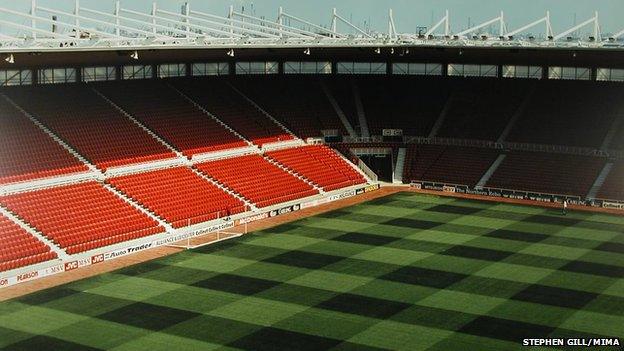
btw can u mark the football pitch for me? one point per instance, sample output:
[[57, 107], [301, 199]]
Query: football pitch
[[407, 271]]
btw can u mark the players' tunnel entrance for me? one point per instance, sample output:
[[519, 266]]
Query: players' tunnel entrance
[[379, 159]]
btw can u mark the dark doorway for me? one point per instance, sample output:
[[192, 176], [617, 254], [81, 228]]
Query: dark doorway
[[380, 164]]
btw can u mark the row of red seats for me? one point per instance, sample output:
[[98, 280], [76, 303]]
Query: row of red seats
[[171, 116], [90, 124], [613, 187], [27, 152], [19, 248], [320, 164], [257, 180], [217, 97], [79, 214], [447, 164], [177, 195], [547, 173], [410, 103], [573, 113], [27, 261]]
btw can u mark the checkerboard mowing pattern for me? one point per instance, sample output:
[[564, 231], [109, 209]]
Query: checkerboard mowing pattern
[[407, 271]]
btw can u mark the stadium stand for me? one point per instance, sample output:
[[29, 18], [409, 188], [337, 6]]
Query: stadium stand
[[97, 130], [447, 164], [568, 113], [481, 108], [257, 180], [178, 196], [218, 98], [297, 102], [547, 173], [320, 164], [618, 140], [342, 91], [613, 187], [169, 115], [408, 103], [27, 152], [19, 248], [81, 217]]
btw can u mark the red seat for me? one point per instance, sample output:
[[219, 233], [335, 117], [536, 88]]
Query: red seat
[[74, 216], [19, 248], [257, 180], [320, 164], [178, 196]]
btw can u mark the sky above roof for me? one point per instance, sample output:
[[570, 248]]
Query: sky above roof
[[373, 14]]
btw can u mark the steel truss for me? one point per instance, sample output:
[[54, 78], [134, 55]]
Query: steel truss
[[85, 29]]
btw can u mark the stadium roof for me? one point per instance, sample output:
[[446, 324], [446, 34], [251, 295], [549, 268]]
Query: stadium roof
[[49, 29]]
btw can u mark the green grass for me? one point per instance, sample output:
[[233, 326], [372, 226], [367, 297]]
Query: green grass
[[404, 272]]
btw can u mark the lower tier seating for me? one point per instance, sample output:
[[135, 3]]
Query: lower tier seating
[[257, 180], [27, 152], [18, 248], [447, 164], [320, 164], [547, 173], [178, 196], [613, 187], [81, 217]]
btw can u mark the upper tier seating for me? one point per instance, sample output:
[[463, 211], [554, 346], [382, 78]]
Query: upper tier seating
[[481, 108], [257, 180], [569, 113], [447, 164], [27, 152], [342, 90], [405, 103], [218, 98], [178, 196], [90, 124], [81, 217], [18, 248], [617, 143], [320, 164], [169, 115], [547, 173], [613, 187], [298, 102]]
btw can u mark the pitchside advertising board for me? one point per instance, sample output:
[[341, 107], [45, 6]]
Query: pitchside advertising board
[[103, 257], [512, 194]]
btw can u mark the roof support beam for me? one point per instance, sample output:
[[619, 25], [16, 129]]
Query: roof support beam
[[485, 24], [445, 21], [545, 19], [109, 24], [227, 34], [391, 28], [593, 20], [336, 17], [36, 30], [266, 24], [331, 32], [60, 23]]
